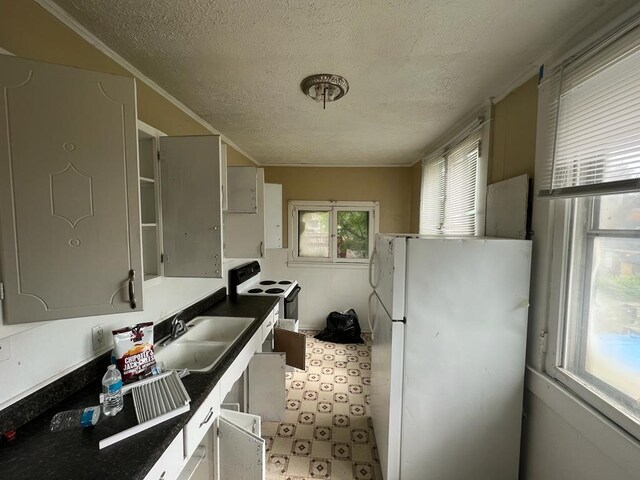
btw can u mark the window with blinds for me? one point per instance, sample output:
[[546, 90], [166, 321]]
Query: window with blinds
[[449, 190], [594, 117]]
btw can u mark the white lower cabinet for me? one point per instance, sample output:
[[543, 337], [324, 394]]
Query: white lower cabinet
[[169, 466], [266, 386], [240, 449], [201, 422], [220, 442]]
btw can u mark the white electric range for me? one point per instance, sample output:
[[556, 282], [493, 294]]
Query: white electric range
[[247, 280]]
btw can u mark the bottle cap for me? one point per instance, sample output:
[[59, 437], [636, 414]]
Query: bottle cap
[[111, 367]]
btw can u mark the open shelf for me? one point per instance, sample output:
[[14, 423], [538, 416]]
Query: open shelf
[[149, 208]]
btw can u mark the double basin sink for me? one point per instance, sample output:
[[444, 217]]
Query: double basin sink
[[204, 343]]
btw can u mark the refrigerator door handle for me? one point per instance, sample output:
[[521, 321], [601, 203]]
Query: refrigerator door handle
[[371, 272], [369, 313]]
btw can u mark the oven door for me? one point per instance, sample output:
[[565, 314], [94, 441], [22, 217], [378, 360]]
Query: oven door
[[291, 304]]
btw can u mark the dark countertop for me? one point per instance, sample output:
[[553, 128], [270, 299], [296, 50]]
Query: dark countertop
[[74, 454]]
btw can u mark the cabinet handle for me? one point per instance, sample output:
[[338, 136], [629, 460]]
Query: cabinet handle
[[261, 249], [207, 418], [161, 477], [132, 293]]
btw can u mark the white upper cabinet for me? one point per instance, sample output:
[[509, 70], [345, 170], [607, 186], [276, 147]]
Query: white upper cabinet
[[242, 190], [191, 206], [244, 232], [273, 215], [69, 211], [223, 178]]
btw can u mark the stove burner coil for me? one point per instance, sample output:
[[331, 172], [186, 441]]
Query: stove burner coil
[[274, 290], [255, 290], [284, 282], [268, 282]]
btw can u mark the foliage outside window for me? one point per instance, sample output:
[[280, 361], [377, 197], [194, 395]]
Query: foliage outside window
[[340, 232]]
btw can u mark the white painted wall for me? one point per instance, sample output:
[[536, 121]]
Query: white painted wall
[[564, 439], [43, 352], [325, 288]]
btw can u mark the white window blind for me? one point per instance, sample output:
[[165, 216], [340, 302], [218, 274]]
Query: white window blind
[[449, 190], [593, 144]]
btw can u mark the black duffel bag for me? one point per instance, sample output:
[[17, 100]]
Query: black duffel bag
[[342, 327]]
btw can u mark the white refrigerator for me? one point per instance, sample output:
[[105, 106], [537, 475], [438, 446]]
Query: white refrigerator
[[449, 318]]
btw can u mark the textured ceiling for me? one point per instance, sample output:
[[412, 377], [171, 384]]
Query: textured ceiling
[[415, 67]]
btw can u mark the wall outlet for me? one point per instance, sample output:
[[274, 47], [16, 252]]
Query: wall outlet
[[5, 349], [99, 340]]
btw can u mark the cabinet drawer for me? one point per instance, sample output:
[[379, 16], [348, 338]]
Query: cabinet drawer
[[267, 325], [170, 464], [195, 430]]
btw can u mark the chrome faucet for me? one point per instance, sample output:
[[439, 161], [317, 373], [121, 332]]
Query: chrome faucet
[[178, 328]]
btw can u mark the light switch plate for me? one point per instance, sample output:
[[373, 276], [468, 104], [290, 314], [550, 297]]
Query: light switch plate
[[5, 349]]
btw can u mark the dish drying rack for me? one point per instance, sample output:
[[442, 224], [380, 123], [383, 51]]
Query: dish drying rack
[[156, 400]]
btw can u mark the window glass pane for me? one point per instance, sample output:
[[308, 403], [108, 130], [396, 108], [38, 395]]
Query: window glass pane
[[602, 344], [353, 234], [619, 212], [313, 234], [612, 350]]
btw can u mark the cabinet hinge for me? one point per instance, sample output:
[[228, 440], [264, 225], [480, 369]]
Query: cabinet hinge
[[218, 434], [158, 154], [162, 258], [1, 291]]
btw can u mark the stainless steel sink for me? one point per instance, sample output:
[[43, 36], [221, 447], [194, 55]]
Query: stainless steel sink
[[204, 343]]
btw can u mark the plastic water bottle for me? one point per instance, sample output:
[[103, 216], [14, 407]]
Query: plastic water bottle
[[112, 389], [75, 419]]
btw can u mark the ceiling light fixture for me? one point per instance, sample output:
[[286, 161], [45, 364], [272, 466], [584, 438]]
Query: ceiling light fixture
[[325, 87]]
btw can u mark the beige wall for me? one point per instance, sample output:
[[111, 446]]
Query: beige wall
[[513, 133], [390, 186], [414, 208], [29, 31]]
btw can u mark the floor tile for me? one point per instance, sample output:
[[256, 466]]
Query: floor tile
[[298, 466], [326, 432]]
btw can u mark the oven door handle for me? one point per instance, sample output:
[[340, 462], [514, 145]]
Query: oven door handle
[[294, 293]]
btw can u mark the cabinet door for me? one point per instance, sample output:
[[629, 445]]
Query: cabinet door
[[242, 188], [244, 233], [69, 209], [224, 189], [267, 386], [273, 215], [192, 232], [293, 344], [240, 452]]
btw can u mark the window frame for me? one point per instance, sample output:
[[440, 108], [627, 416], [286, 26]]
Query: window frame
[[552, 223], [373, 207], [480, 128], [560, 216]]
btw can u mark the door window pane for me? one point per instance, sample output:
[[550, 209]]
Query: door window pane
[[313, 231], [353, 234]]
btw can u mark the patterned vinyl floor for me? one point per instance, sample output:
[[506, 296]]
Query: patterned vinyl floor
[[327, 431]]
